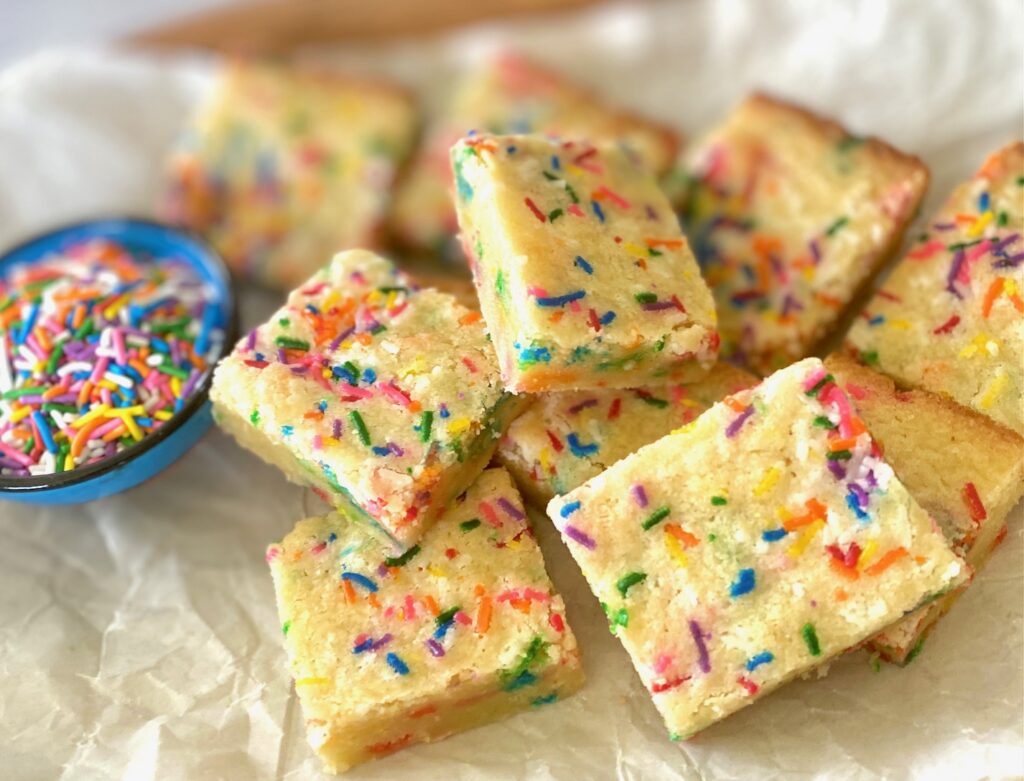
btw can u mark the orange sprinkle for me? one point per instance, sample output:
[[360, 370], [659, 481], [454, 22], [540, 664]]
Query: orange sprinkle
[[1018, 302], [991, 295], [667, 243], [682, 535], [887, 560], [764, 244], [469, 318], [734, 404], [431, 605], [82, 437], [426, 710], [483, 616], [83, 393], [841, 595], [56, 390], [816, 511], [350, 593], [842, 570], [115, 433], [479, 590], [842, 444], [372, 599]]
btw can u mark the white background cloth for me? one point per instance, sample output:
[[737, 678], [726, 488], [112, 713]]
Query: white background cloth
[[138, 635]]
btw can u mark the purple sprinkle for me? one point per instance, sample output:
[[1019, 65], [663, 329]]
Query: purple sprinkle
[[698, 638], [734, 427], [250, 341], [583, 539], [1011, 262], [341, 338], [510, 509], [860, 493], [281, 357], [815, 252], [836, 469], [394, 448], [435, 648], [577, 408], [378, 644], [657, 306], [1003, 243], [954, 270], [944, 226], [871, 479], [639, 494]]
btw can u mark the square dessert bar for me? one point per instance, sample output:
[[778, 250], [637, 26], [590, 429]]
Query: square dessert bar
[[950, 318], [790, 217], [384, 398], [584, 277], [461, 630], [510, 94], [964, 469], [753, 545], [283, 167], [564, 439]]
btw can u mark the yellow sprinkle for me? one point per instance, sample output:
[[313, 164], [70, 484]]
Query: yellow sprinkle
[[687, 427], [633, 249], [19, 413], [111, 311], [979, 225], [129, 422], [689, 403], [176, 387], [768, 481], [330, 300], [163, 414], [437, 572], [326, 373], [545, 458], [95, 412], [108, 385], [867, 554], [809, 533], [574, 169], [458, 426], [675, 550], [1009, 286], [994, 390], [312, 681], [902, 325]]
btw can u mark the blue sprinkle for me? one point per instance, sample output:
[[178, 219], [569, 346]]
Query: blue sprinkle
[[853, 504], [322, 405], [569, 509], [287, 430], [332, 537], [744, 583], [366, 645], [362, 580], [397, 664], [568, 298], [983, 202], [442, 630], [774, 535], [877, 320], [523, 679], [369, 376], [258, 356], [44, 432], [510, 149], [556, 163], [343, 373], [535, 355], [443, 412], [547, 699], [597, 210], [581, 263], [578, 448], [381, 451], [606, 318], [757, 660]]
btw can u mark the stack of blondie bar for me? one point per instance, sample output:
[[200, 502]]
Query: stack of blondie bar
[[739, 532]]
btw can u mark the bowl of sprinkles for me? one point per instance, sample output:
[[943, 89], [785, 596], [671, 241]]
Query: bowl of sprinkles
[[109, 332]]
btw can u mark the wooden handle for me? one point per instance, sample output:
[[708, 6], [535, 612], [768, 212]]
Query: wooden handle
[[278, 27]]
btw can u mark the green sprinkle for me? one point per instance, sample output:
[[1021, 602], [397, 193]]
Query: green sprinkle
[[468, 526], [915, 651], [718, 501], [426, 422], [959, 245], [712, 537], [549, 176], [360, 427], [547, 699], [655, 518], [820, 384], [285, 627], [621, 618], [626, 582], [55, 355], [405, 558], [824, 422], [514, 677], [499, 284], [52, 407], [869, 357], [811, 639], [1003, 219], [653, 401], [840, 455], [16, 393], [291, 344], [446, 615], [645, 298], [572, 193], [284, 322], [555, 214], [254, 418], [876, 664], [836, 226], [171, 369]]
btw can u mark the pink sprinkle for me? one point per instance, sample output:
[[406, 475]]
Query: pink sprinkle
[[272, 553], [615, 198], [639, 494], [394, 394], [662, 663], [318, 442], [118, 339], [490, 515], [351, 392], [318, 547], [410, 608], [575, 210], [469, 365], [842, 404], [814, 378], [463, 619]]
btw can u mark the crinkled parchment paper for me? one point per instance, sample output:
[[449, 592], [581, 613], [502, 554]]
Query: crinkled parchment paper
[[138, 637]]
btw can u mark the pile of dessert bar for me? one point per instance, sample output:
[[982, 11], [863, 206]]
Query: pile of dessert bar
[[607, 363]]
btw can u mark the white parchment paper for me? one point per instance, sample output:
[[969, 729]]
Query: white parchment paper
[[138, 636]]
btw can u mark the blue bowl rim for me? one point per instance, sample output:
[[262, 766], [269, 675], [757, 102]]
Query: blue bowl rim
[[195, 402]]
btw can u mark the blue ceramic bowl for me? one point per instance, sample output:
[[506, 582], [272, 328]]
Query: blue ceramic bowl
[[163, 447]]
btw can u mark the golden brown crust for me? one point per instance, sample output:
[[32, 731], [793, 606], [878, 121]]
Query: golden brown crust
[[881, 384], [884, 153]]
